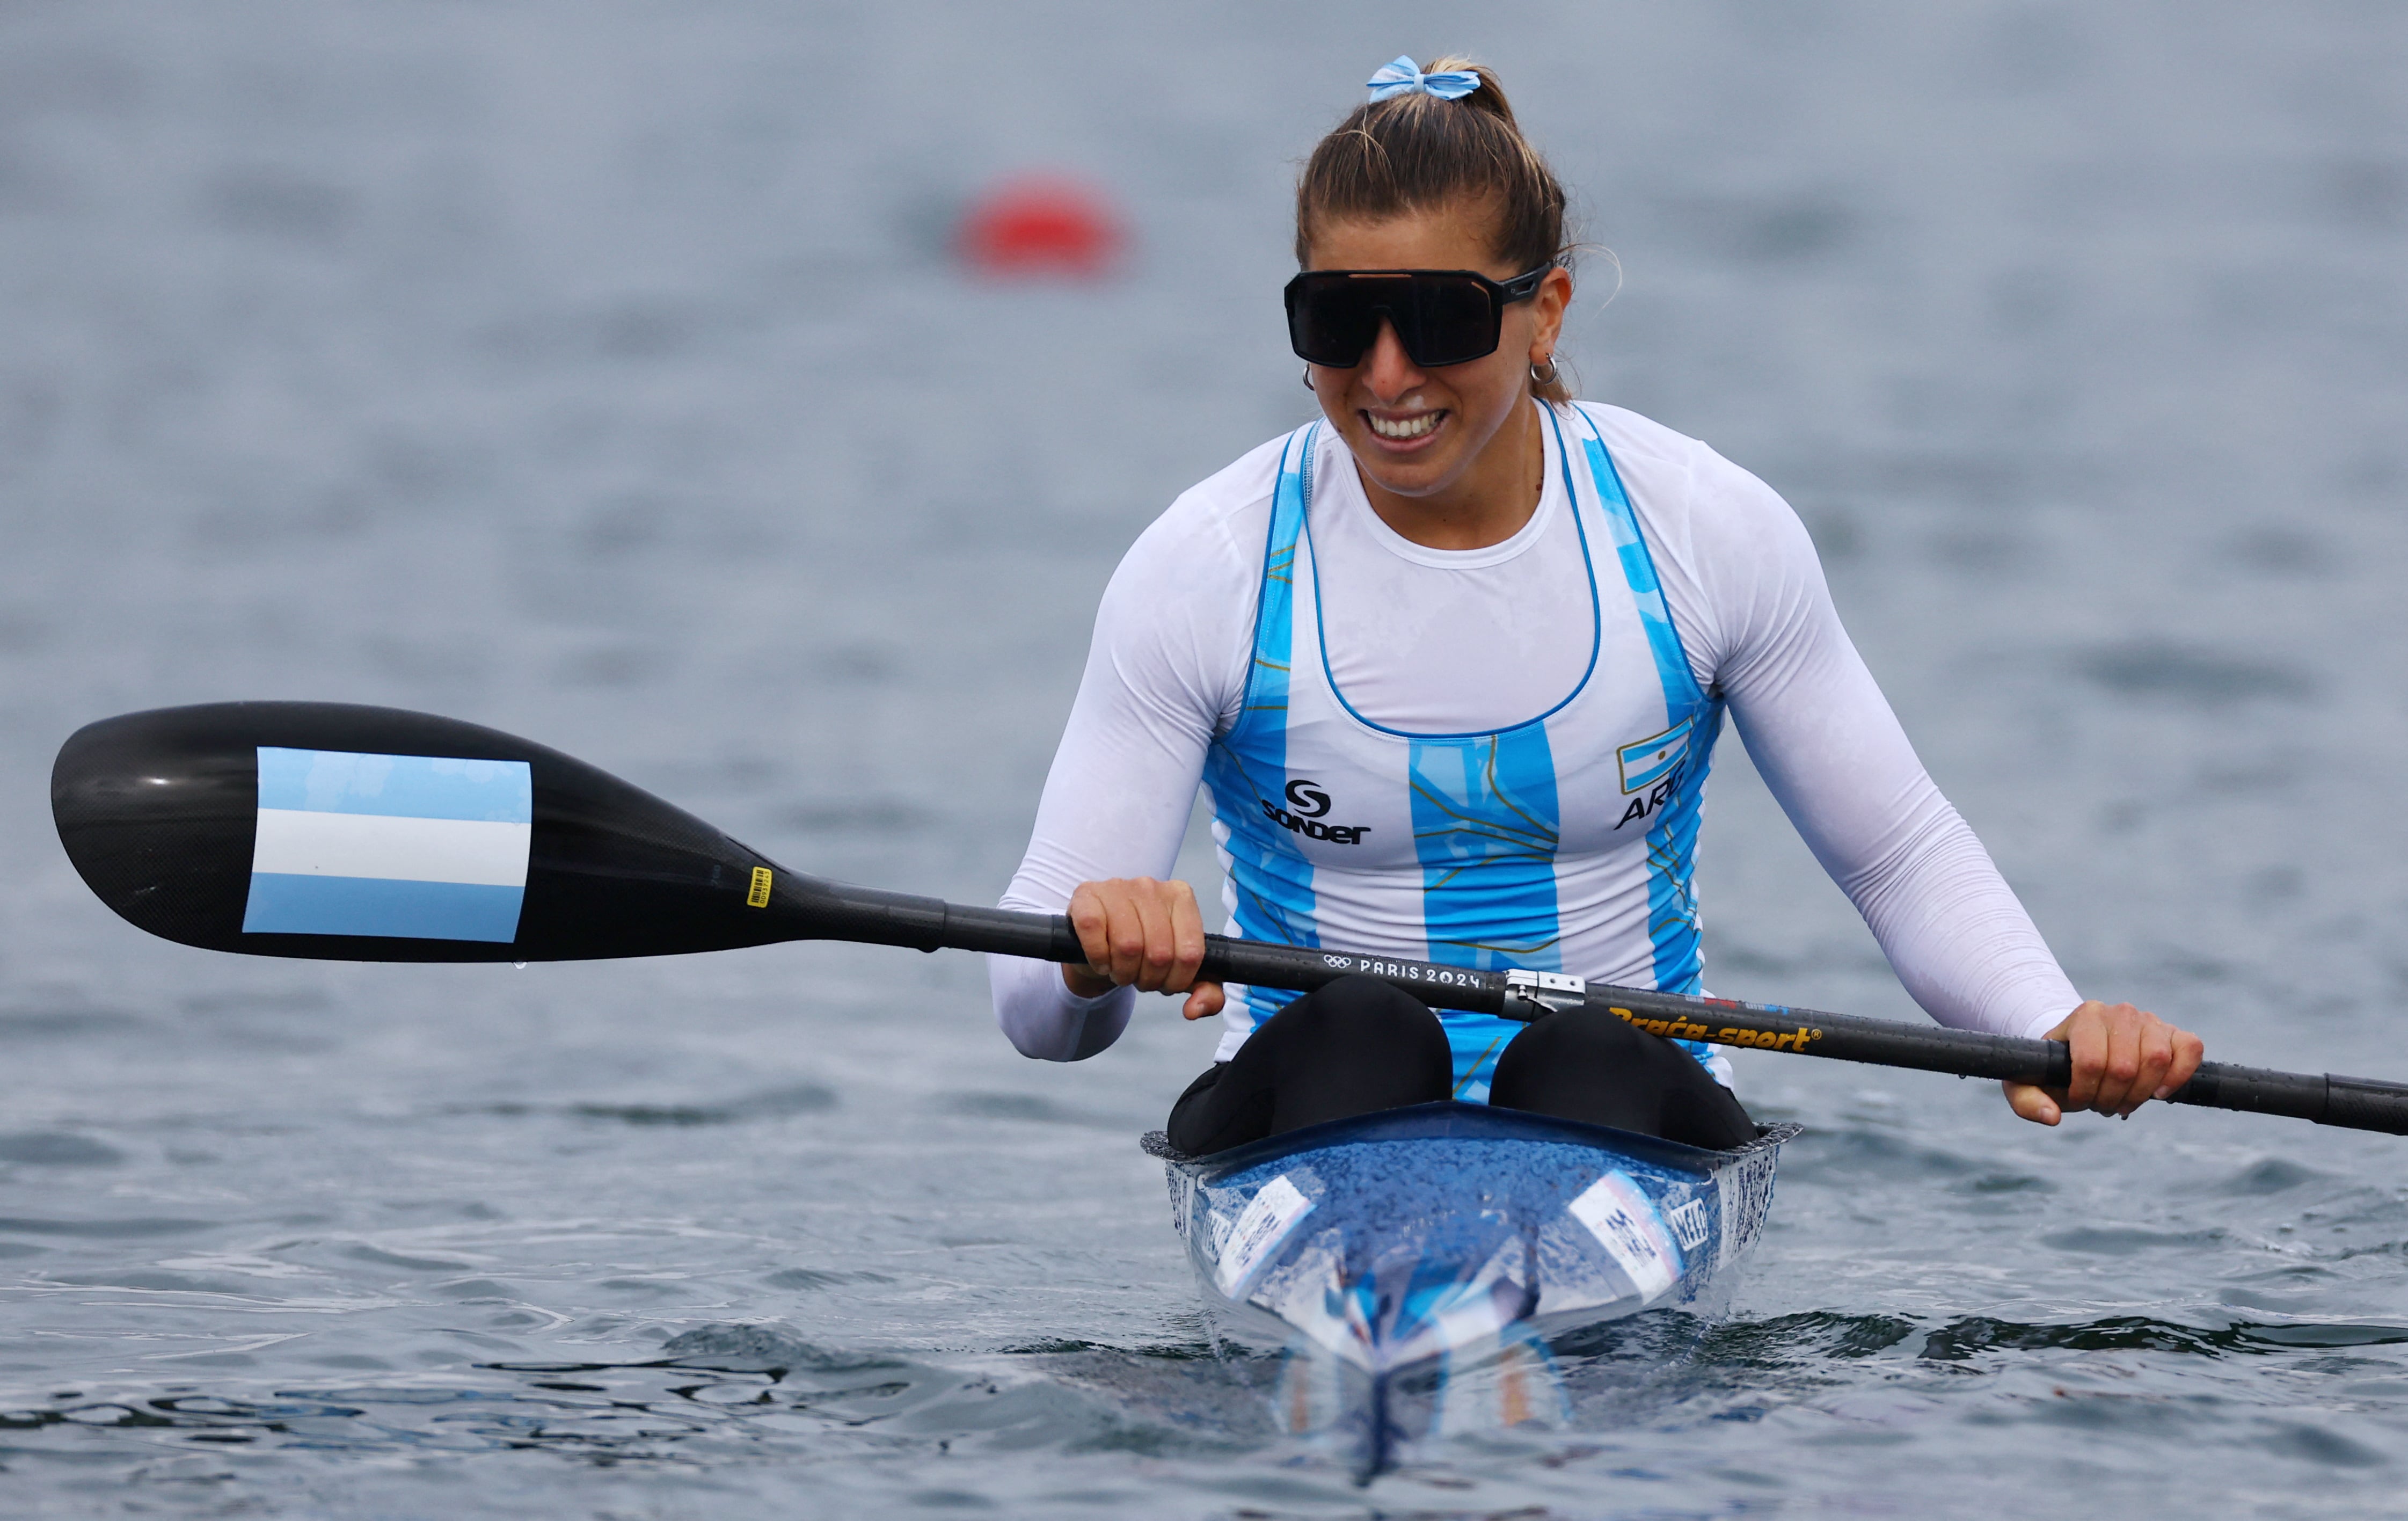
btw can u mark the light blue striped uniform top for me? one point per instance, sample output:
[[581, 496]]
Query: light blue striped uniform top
[[1537, 846]]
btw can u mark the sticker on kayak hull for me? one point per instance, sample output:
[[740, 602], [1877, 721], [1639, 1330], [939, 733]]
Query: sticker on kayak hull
[[1689, 1222], [1619, 1216], [1265, 1224], [417, 847]]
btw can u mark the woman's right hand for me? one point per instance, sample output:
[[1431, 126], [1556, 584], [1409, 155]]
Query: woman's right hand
[[1144, 934]]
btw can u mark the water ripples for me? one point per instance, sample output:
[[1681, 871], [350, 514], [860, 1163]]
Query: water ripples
[[598, 373]]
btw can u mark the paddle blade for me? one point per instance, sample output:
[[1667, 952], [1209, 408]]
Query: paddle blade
[[370, 833]]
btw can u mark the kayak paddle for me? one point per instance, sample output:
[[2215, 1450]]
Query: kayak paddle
[[345, 833]]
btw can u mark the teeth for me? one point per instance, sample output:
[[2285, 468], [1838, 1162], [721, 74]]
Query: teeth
[[1412, 427]]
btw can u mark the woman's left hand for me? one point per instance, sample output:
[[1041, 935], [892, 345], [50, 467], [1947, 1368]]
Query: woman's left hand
[[2123, 1058]]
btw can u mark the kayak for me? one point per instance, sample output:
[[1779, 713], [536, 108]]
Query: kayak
[[1427, 1255]]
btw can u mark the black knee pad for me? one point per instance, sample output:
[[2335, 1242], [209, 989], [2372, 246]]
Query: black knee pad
[[1589, 1038], [1366, 1008]]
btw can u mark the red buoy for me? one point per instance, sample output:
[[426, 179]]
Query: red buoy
[[1040, 225]]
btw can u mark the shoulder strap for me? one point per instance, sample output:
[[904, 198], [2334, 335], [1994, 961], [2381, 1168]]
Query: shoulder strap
[[1680, 690], [1267, 677]]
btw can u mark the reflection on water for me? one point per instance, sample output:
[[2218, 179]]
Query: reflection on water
[[601, 374]]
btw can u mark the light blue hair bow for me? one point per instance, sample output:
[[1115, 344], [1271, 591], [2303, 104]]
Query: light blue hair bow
[[1405, 77]]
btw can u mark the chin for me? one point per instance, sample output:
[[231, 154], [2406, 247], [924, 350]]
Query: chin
[[1404, 473], [1422, 478]]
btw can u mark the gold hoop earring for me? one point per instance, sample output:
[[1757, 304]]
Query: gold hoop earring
[[1551, 375]]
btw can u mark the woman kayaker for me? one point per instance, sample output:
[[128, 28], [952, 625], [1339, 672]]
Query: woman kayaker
[[1451, 661]]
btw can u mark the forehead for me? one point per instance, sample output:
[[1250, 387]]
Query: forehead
[[1459, 234]]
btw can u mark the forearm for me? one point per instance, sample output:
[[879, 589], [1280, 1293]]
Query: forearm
[[1043, 1018], [1115, 805]]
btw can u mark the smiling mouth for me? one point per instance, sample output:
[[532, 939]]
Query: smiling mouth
[[1404, 428]]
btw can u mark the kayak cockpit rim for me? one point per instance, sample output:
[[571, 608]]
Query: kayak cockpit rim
[[1451, 1119]]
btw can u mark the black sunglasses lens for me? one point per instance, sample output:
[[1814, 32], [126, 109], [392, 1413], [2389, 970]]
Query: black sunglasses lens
[[1457, 322], [1332, 321], [1441, 320]]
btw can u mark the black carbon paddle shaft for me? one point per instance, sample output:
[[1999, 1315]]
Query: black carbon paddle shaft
[[823, 910], [1675, 1016], [2353, 1103]]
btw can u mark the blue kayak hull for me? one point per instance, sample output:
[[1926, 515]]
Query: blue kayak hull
[[1457, 1237]]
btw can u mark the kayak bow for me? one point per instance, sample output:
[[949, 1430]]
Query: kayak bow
[[1451, 1238]]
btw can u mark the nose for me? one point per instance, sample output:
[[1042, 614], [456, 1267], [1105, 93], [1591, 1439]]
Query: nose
[[1388, 371]]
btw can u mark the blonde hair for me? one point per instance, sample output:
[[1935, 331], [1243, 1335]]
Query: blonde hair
[[1415, 151]]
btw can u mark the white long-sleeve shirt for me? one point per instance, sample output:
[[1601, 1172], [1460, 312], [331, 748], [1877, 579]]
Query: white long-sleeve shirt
[[1438, 641]]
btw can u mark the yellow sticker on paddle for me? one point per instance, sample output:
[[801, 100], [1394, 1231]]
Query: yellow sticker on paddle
[[759, 896]]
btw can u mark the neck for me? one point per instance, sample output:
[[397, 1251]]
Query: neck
[[1488, 504]]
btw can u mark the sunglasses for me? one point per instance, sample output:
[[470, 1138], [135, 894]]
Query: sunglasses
[[1441, 316]]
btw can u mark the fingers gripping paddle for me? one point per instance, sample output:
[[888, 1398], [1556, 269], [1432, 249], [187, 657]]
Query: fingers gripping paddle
[[370, 833]]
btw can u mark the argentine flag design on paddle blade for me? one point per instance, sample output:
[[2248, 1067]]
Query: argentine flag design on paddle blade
[[420, 847]]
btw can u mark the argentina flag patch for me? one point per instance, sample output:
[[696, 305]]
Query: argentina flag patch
[[418, 847], [1651, 760]]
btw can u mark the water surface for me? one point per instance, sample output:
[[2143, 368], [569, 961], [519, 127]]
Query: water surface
[[598, 372]]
